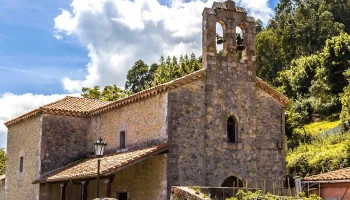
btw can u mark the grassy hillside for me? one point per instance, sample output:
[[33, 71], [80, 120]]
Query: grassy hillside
[[325, 152]]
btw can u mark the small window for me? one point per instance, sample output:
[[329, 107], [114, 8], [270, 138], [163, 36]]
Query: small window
[[122, 140], [231, 130], [122, 196], [21, 164]]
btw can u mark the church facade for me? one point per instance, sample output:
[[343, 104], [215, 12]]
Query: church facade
[[218, 123]]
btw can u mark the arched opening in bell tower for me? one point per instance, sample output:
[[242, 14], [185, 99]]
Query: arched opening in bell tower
[[240, 43], [220, 38]]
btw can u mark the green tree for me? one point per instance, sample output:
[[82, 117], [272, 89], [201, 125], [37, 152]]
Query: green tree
[[296, 81], [259, 26], [138, 78], [336, 60], [2, 161], [345, 101], [171, 69], [109, 93], [269, 59]]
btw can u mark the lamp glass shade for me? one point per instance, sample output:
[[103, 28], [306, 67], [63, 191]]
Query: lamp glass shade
[[99, 147]]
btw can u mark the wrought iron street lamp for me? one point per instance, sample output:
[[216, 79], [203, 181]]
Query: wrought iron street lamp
[[100, 146]]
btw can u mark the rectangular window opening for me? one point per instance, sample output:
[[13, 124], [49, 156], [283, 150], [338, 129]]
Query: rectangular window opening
[[122, 196], [21, 164], [122, 139]]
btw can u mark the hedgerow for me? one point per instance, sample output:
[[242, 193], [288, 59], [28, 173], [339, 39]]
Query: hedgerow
[[258, 195]]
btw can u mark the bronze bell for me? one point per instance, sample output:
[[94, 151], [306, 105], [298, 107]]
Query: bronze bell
[[219, 39], [240, 43]]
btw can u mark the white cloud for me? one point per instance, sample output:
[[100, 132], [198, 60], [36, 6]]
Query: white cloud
[[12, 106], [118, 33]]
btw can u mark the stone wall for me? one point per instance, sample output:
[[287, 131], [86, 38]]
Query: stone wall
[[144, 122], [270, 134], [23, 140], [144, 180], [2, 189], [64, 140], [198, 113], [186, 159]]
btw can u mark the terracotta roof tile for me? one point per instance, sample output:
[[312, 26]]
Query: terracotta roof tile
[[341, 174], [109, 164], [271, 91], [75, 106], [72, 106]]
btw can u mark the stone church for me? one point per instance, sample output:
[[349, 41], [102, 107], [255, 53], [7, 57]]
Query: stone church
[[218, 123]]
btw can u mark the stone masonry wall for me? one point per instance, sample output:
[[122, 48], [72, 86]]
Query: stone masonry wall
[[186, 157], [2, 189], [144, 180], [230, 91], [270, 133], [64, 140], [23, 140], [144, 122]]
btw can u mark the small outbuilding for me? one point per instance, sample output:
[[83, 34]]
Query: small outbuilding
[[333, 185]]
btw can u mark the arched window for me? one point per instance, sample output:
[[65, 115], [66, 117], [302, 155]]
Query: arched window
[[219, 37], [231, 130], [240, 43]]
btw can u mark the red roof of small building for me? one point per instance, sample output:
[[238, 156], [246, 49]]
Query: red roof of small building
[[341, 174], [109, 164]]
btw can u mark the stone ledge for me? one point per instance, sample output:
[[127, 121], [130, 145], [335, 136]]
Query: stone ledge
[[235, 146]]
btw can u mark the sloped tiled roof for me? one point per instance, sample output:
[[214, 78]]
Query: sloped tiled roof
[[152, 91], [341, 174], [72, 106], [271, 91], [109, 164], [75, 106]]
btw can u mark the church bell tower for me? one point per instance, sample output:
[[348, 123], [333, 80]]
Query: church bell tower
[[238, 54]]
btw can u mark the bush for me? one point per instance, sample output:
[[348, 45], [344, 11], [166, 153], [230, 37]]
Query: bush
[[258, 195], [325, 153]]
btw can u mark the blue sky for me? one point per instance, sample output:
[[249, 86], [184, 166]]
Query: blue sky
[[31, 59], [33, 62]]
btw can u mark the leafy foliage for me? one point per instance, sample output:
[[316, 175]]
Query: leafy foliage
[[325, 153], [171, 69], [299, 28], [2, 161], [140, 76], [269, 58], [109, 93], [345, 101], [297, 79], [258, 195]]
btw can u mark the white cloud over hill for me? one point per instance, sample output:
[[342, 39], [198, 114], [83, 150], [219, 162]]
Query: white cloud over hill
[[119, 32]]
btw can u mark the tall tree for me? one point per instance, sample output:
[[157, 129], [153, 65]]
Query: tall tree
[[171, 69], [297, 80], [345, 101], [137, 77], [269, 58], [2, 161], [109, 93]]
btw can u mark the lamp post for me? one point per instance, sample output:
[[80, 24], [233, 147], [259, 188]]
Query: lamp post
[[99, 149]]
